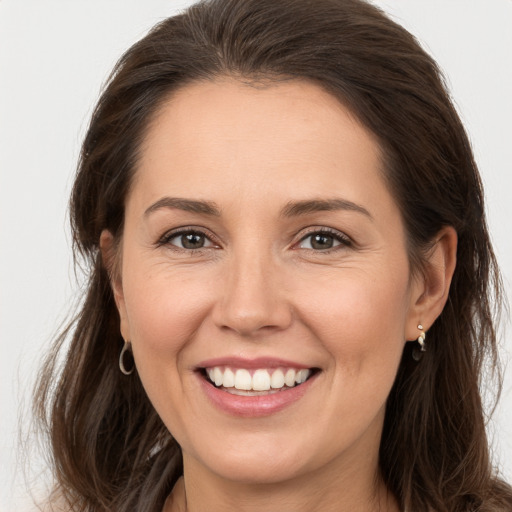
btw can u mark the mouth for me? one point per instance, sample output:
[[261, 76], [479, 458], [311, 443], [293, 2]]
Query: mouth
[[258, 381]]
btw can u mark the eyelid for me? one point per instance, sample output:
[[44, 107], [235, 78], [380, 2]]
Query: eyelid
[[182, 230], [345, 240]]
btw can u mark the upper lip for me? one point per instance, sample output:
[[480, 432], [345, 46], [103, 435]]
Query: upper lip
[[259, 362]]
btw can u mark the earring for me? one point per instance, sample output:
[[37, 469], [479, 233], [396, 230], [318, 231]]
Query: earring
[[417, 352], [126, 351]]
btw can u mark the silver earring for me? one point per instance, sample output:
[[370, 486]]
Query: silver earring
[[417, 352], [126, 352]]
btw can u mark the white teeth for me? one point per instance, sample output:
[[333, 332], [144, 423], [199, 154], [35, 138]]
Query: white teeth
[[277, 380], [243, 380], [301, 376], [218, 376], [289, 378], [229, 379], [261, 379]]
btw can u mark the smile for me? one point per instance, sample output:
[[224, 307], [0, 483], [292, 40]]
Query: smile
[[254, 388], [261, 381]]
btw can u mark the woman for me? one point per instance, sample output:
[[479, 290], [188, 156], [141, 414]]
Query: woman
[[291, 277]]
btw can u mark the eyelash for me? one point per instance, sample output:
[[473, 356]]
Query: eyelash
[[165, 240], [344, 240]]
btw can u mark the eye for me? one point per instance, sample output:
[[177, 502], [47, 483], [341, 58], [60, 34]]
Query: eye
[[323, 240], [188, 240]]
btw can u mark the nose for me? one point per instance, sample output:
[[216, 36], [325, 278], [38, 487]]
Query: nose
[[253, 300]]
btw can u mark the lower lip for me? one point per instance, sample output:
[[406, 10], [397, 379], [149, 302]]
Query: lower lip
[[254, 406]]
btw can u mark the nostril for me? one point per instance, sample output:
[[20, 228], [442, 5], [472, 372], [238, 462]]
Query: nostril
[[252, 300], [253, 323]]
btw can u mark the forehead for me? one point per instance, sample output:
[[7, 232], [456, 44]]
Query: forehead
[[235, 110], [225, 135]]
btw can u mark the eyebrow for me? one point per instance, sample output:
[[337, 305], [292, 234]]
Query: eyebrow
[[297, 208], [292, 209], [187, 205]]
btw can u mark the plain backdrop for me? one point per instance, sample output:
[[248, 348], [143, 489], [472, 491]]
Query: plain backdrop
[[54, 57]]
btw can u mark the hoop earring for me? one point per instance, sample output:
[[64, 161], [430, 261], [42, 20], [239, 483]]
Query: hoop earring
[[417, 352], [127, 349]]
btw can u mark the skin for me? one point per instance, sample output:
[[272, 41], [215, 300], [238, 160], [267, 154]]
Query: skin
[[258, 288]]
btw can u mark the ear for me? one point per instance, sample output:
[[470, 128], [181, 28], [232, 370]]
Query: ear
[[431, 286], [110, 254]]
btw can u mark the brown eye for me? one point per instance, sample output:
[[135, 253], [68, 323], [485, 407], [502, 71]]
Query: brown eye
[[192, 241], [189, 240], [323, 240]]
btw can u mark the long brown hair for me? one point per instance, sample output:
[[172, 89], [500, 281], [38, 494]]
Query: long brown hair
[[110, 449]]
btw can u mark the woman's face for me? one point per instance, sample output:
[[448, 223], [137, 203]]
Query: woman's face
[[262, 247]]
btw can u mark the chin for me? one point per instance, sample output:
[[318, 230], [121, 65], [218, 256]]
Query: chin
[[261, 458], [258, 470]]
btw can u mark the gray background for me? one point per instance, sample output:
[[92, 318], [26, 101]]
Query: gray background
[[54, 56]]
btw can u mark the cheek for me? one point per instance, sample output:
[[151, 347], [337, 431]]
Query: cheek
[[360, 322], [165, 309], [360, 319], [358, 301], [162, 304]]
